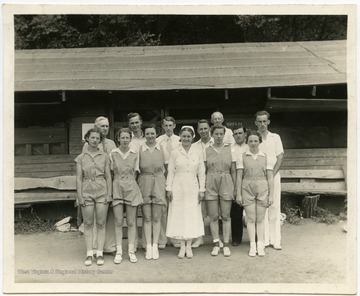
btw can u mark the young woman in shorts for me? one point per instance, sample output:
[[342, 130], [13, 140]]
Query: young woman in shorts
[[255, 186]]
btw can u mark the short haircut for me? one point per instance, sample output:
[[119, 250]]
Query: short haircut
[[263, 112], [94, 130], [169, 118], [253, 133], [100, 118], [214, 127], [239, 126], [122, 130], [203, 121], [133, 114], [212, 115], [150, 125]]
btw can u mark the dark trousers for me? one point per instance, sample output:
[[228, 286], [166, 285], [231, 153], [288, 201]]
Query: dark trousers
[[236, 215]]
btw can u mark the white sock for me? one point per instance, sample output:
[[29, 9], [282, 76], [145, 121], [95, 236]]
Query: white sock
[[131, 248], [89, 253], [99, 253], [118, 249]]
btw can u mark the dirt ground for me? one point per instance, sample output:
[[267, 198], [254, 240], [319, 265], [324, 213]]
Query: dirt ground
[[312, 253]]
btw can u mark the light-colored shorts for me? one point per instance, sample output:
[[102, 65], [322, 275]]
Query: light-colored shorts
[[219, 185], [255, 190]]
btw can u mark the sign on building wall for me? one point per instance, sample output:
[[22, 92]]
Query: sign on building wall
[[84, 128]]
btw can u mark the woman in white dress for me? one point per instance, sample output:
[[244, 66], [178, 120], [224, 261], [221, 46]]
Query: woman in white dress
[[185, 186]]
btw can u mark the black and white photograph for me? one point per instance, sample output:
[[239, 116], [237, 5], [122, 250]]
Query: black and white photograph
[[179, 149]]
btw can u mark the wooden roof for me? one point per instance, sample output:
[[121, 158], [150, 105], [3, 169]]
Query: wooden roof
[[206, 66]]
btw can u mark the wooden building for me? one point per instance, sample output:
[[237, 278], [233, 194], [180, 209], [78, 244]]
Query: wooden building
[[302, 84]]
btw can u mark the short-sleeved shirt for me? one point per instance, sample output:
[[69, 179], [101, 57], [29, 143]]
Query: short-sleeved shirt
[[228, 137], [255, 184], [124, 166], [219, 182], [261, 156], [202, 146], [212, 152], [238, 150], [93, 174], [272, 147], [152, 180], [174, 139], [136, 143]]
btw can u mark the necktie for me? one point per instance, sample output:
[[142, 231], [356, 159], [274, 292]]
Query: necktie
[[169, 146]]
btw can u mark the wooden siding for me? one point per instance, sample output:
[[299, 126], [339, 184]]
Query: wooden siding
[[209, 66]]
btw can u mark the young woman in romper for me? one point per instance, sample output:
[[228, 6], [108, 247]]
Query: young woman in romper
[[255, 187], [220, 179], [93, 184], [124, 163], [152, 186]]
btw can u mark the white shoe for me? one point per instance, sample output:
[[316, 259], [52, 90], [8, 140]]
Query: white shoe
[[148, 255], [132, 257], [226, 251], [181, 254], [198, 242], [215, 251], [277, 247], [88, 260], [155, 252], [118, 258], [162, 246], [252, 252], [261, 249], [189, 253]]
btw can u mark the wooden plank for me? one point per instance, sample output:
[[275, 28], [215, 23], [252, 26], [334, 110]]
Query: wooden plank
[[312, 174], [333, 188], [284, 105], [216, 70], [40, 197], [49, 167], [319, 152], [313, 163], [44, 174], [34, 159], [40, 135], [203, 64], [182, 83], [59, 183]]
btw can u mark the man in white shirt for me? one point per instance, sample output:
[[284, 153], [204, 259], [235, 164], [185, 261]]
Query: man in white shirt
[[217, 119], [203, 129], [135, 123], [137, 139], [273, 148], [169, 141], [236, 213]]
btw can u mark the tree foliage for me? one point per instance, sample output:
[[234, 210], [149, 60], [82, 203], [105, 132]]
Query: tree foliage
[[71, 31]]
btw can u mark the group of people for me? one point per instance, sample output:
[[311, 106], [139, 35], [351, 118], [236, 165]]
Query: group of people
[[178, 183]]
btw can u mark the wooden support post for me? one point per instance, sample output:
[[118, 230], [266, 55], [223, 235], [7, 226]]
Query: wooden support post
[[309, 205], [28, 149], [46, 149]]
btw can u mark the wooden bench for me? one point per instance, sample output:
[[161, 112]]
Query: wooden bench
[[314, 171], [313, 181]]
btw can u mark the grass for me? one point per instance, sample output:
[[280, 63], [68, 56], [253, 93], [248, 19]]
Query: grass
[[34, 225]]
